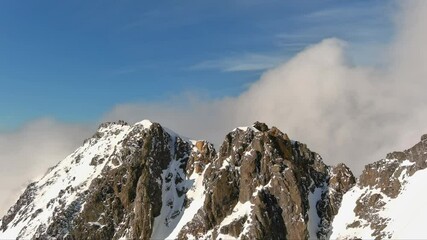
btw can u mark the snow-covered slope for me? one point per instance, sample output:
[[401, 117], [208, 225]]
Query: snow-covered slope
[[63, 185], [388, 200]]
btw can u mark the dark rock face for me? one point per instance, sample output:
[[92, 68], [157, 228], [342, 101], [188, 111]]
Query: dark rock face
[[130, 192], [260, 185], [264, 169]]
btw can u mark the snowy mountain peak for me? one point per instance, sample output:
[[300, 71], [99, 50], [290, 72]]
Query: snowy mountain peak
[[145, 123], [51, 205]]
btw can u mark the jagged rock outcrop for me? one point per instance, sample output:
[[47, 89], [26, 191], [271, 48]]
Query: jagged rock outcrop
[[147, 182], [262, 185]]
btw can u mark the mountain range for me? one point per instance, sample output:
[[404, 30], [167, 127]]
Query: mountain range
[[144, 181]]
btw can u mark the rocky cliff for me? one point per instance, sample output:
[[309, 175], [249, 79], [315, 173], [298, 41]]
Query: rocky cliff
[[262, 185], [147, 182]]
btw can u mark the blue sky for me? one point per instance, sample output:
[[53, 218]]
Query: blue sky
[[75, 60]]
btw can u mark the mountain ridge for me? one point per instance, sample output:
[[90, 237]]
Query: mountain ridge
[[144, 181]]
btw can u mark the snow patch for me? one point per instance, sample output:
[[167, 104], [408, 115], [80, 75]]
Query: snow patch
[[246, 128], [172, 203], [407, 163], [239, 211], [225, 164], [313, 217], [197, 198], [145, 123]]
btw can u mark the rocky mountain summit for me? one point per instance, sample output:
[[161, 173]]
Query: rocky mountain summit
[[262, 185], [146, 182]]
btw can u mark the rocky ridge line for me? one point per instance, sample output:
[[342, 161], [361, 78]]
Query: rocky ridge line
[[144, 181]]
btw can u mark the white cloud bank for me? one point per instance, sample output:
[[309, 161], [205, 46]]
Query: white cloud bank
[[345, 112]]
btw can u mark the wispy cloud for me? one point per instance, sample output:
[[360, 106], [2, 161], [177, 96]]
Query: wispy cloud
[[336, 13], [360, 10], [245, 62]]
